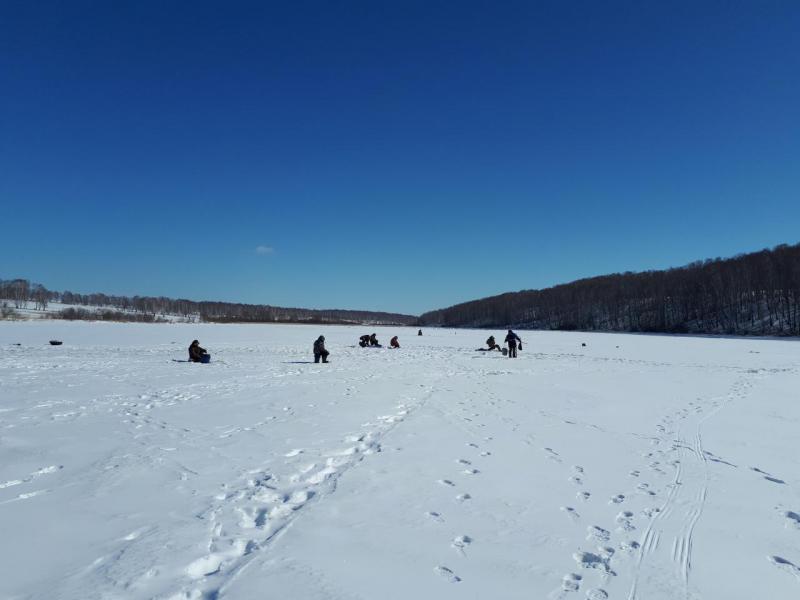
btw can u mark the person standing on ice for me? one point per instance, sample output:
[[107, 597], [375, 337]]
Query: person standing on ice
[[320, 351], [512, 339], [196, 353], [394, 343]]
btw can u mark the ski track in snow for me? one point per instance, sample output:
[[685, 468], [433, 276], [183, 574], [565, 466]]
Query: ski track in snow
[[676, 516], [690, 482]]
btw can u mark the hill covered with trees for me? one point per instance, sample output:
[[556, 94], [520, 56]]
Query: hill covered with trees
[[749, 294], [20, 294]]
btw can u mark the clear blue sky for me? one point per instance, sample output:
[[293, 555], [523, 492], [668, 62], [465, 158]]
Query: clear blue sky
[[396, 156]]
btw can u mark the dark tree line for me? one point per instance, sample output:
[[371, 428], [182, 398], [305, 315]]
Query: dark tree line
[[750, 294], [22, 294], [81, 314]]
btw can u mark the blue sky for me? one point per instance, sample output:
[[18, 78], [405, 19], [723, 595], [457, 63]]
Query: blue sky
[[397, 156]]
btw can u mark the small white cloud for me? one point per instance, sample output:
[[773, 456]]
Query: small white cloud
[[264, 249]]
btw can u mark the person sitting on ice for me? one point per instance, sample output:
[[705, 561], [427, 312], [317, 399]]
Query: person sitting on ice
[[363, 341], [320, 351], [196, 353], [419, 332], [394, 343], [512, 339], [373, 341], [493, 345]]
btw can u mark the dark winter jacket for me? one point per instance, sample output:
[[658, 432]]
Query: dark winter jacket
[[319, 345], [512, 339], [196, 352]]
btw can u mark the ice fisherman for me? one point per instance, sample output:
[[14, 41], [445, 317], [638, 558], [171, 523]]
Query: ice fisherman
[[320, 351], [373, 341], [196, 353], [493, 345], [512, 339], [363, 341], [394, 343]]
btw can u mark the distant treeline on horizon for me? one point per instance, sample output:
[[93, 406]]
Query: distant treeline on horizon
[[22, 293], [749, 294]]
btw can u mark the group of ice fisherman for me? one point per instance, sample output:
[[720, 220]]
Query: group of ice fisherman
[[512, 340], [198, 354]]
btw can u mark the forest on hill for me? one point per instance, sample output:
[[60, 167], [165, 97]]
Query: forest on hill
[[21, 294], [750, 294]]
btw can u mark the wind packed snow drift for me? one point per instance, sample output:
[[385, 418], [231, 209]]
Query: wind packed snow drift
[[634, 467]]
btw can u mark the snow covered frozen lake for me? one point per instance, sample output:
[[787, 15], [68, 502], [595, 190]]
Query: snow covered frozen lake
[[636, 467]]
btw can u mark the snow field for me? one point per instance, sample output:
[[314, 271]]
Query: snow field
[[635, 467]]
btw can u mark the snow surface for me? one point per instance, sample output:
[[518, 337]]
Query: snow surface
[[636, 467]]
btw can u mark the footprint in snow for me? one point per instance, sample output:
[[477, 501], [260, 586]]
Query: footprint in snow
[[785, 565], [775, 480], [300, 497], [571, 582], [624, 520], [596, 594], [204, 566], [461, 542], [463, 497], [619, 498], [552, 454], [583, 496], [571, 512], [46, 470], [792, 519], [463, 461], [644, 488], [31, 494], [597, 534], [446, 482], [435, 516], [446, 574], [589, 560], [470, 471]]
